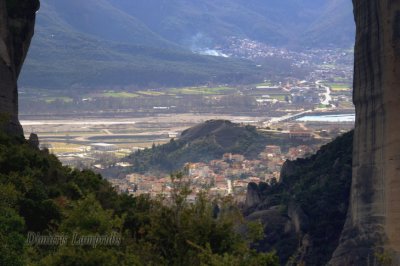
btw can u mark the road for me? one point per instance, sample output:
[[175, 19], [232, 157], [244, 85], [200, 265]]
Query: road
[[327, 95], [325, 100]]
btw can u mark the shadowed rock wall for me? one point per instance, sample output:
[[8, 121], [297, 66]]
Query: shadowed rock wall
[[17, 21], [373, 222]]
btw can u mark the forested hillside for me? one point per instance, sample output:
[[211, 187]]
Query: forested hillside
[[202, 143], [40, 197]]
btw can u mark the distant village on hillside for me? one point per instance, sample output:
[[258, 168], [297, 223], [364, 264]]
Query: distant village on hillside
[[229, 175]]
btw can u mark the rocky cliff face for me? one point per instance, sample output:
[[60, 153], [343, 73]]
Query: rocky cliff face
[[304, 213], [252, 196], [373, 223], [17, 20]]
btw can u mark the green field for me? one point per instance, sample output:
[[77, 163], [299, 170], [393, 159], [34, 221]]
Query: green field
[[58, 147], [330, 66], [151, 93], [339, 86], [201, 90], [341, 80], [323, 106], [279, 97], [58, 99], [113, 94], [264, 84]]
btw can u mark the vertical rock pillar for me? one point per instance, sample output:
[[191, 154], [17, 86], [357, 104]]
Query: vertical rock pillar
[[17, 21], [372, 229]]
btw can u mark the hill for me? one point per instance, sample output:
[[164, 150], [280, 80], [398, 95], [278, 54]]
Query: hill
[[203, 143], [289, 22], [158, 23], [150, 43], [67, 52], [333, 25]]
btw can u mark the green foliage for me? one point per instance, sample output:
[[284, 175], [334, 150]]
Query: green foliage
[[88, 216], [184, 233], [255, 231], [383, 258], [38, 194], [252, 259], [12, 241]]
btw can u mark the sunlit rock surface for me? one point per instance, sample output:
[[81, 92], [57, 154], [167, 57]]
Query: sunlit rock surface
[[372, 229]]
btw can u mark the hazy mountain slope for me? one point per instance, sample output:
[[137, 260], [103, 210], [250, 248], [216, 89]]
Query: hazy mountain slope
[[64, 54], [274, 22], [87, 62], [153, 22], [100, 19], [96, 43], [334, 25], [180, 21]]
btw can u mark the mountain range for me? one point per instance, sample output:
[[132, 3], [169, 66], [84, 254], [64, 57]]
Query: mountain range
[[97, 43], [288, 22]]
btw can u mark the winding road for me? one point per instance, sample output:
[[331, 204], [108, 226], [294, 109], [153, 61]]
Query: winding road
[[328, 98]]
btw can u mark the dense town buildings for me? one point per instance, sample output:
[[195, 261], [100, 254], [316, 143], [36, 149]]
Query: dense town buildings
[[229, 175]]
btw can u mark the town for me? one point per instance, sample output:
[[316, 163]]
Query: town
[[229, 175]]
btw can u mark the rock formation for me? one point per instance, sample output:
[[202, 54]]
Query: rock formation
[[252, 196], [373, 222], [304, 213], [17, 20], [33, 141]]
